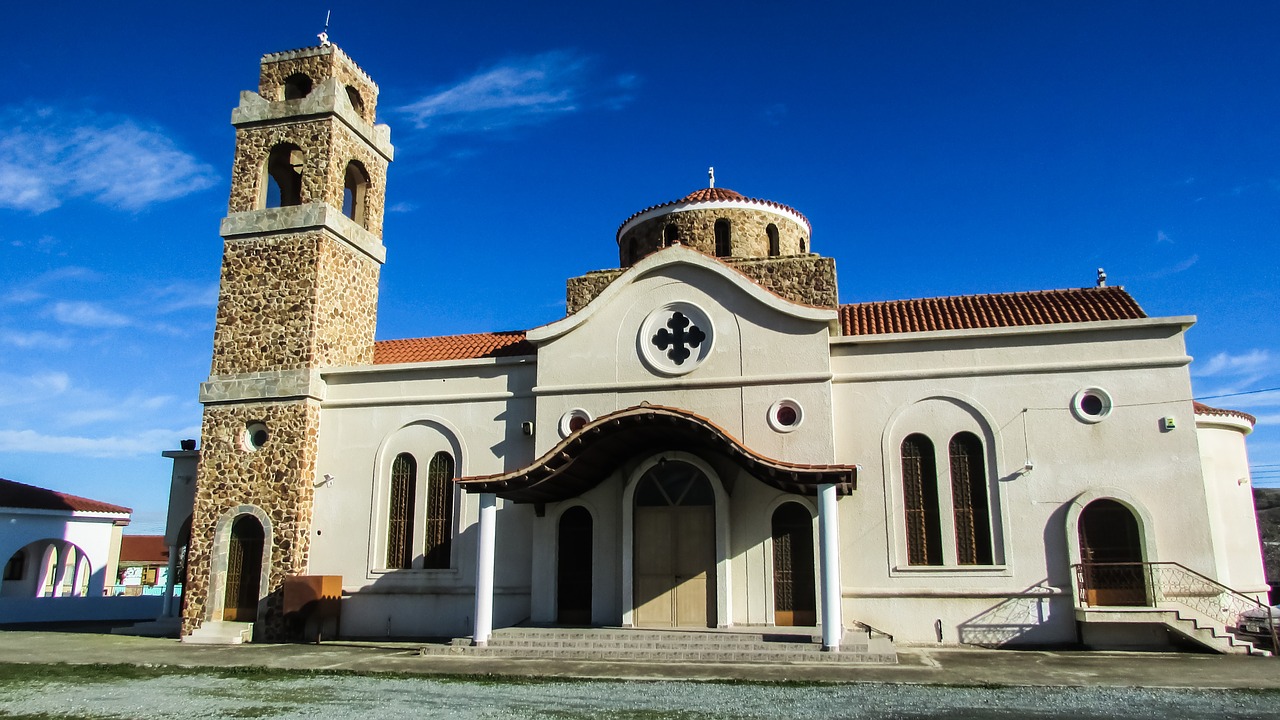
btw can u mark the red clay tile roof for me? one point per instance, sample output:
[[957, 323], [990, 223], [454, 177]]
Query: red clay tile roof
[[452, 347], [1202, 409], [143, 549], [714, 195], [29, 497], [970, 312]]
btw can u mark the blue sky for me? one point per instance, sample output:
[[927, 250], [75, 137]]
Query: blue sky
[[937, 147]]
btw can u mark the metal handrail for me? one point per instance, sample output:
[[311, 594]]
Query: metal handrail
[[1173, 583]]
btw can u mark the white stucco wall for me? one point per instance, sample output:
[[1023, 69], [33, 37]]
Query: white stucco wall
[[1225, 462], [95, 536], [1013, 388]]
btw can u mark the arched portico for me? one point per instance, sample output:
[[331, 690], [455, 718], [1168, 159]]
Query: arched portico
[[596, 451]]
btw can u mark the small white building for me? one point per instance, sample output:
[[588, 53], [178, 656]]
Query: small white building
[[709, 438], [55, 544]]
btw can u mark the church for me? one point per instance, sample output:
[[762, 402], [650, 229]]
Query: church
[[707, 439]]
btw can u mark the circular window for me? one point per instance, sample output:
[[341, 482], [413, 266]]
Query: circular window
[[785, 415], [1091, 405], [255, 436], [675, 338], [573, 421]]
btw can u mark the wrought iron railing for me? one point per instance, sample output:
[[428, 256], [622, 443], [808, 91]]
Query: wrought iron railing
[[1169, 584]]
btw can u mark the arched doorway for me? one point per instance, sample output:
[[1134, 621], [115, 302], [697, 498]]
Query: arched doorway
[[674, 549], [794, 599], [1111, 555], [244, 570], [573, 569]]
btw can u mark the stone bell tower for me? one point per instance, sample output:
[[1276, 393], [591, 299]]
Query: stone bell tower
[[299, 290]]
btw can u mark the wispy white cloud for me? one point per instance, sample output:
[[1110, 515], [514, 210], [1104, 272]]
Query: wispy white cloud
[[1251, 363], [48, 155], [1163, 237], [88, 315], [146, 442], [183, 296], [33, 340], [519, 91], [19, 389], [1174, 269]]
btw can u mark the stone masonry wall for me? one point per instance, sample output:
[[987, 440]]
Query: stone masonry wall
[[327, 146], [804, 279], [279, 478], [319, 63], [696, 229], [293, 302]]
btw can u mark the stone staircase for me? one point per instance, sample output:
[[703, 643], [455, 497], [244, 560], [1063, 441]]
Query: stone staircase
[[221, 632], [667, 646], [1205, 633]]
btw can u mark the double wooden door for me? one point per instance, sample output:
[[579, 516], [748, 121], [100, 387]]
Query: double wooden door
[[674, 549]]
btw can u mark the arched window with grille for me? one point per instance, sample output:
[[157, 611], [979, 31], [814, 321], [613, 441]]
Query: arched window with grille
[[404, 471], [969, 500], [724, 239], [920, 501], [775, 245], [439, 511]]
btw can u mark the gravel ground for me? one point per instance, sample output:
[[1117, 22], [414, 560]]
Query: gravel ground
[[198, 694]]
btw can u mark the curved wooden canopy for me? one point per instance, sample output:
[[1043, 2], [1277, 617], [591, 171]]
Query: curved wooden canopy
[[588, 456]]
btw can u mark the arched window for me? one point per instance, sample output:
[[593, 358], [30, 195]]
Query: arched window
[[920, 499], [355, 189], [284, 176], [775, 246], [670, 235], [357, 102], [439, 511], [724, 241], [296, 86], [404, 471], [969, 500], [14, 569], [804, 246]]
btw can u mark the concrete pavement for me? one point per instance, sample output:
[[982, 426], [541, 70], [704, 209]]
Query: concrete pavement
[[917, 665]]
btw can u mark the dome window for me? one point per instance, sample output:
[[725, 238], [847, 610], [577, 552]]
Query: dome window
[[775, 246], [724, 239]]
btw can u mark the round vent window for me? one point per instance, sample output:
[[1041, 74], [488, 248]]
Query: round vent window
[[1091, 405], [255, 436], [785, 415], [573, 421]]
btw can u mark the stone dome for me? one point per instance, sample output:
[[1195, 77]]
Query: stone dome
[[716, 221]]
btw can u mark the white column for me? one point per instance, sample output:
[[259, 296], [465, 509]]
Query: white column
[[65, 558], [166, 608], [484, 570], [829, 566]]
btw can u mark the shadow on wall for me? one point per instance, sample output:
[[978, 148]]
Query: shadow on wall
[[1036, 619]]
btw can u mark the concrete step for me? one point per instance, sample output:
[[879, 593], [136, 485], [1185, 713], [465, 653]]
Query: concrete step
[[632, 645], [221, 632], [1206, 633], [159, 628]]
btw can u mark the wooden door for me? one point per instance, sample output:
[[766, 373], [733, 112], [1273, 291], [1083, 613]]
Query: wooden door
[[794, 596], [673, 554], [694, 565], [1111, 553], [573, 568], [244, 570]]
